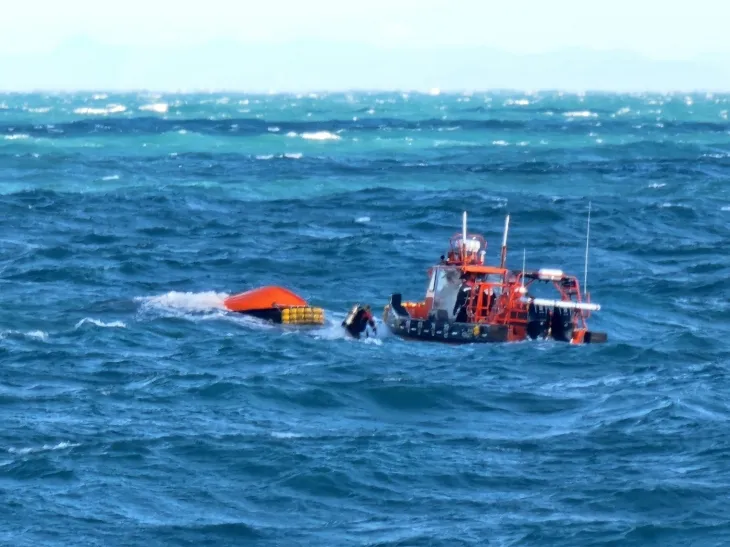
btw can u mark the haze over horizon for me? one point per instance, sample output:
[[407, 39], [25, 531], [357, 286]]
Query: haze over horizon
[[321, 45]]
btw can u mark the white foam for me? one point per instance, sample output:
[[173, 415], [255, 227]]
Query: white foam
[[160, 108], [278, 435], [186, 301], [516, 102], [581, 114], [500, 143], [288, 155], [111, 109], [44, 448], [38, 334], [657, 185], [17, 137], [362, 220], [273, 129], [110, 177], [40, 109], [99, 323], [321, 136]]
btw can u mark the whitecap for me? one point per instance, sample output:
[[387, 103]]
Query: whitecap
[[160, 108], [278, 435], [188, 301], [44, 448], [321, 136], [111, 109], [99, 323], [516, 102], [288, 156], [38, 334], [581, 114]]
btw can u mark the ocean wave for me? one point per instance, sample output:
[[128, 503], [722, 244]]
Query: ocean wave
[[160, 108], [331, 129], [99, 323], [94, 111]]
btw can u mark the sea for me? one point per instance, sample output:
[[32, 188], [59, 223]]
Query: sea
[[136, 410]]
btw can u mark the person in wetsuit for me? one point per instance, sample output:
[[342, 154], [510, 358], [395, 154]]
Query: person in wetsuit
[[360, 321]]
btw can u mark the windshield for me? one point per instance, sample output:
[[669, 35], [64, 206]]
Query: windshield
[[447, 287]]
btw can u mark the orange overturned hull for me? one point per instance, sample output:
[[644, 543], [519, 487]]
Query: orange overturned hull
[[275, 304]]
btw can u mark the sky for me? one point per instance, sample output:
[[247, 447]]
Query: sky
[[51, 44]]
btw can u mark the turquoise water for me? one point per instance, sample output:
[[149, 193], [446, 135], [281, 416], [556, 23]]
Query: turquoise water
[[136, 410]]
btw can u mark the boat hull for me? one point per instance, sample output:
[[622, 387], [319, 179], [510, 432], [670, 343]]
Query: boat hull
[[400, 323], [450, 333], [275, 305]]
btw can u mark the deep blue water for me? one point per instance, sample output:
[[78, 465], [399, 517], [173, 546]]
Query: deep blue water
[[136, 411]]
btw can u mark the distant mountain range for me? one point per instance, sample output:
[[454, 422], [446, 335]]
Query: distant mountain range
[[303, 66]]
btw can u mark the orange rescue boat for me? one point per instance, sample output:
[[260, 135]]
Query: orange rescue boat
[[469, 301], [276, 305]]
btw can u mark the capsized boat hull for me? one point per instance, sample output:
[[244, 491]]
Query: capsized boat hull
[[276, 305]]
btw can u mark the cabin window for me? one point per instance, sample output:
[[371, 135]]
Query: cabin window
[[447, 287], [440, 279], [497, 280], [432, 282]]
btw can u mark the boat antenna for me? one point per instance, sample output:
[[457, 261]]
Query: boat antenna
[[588, 235], [524, 252], [504, 242], [463, 236]]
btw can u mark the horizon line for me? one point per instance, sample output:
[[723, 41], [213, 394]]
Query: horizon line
[[433, 91]]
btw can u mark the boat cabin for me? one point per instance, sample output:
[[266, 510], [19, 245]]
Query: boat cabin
[[463, 293]]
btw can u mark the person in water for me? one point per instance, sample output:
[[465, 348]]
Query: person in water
[[360, 321]]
